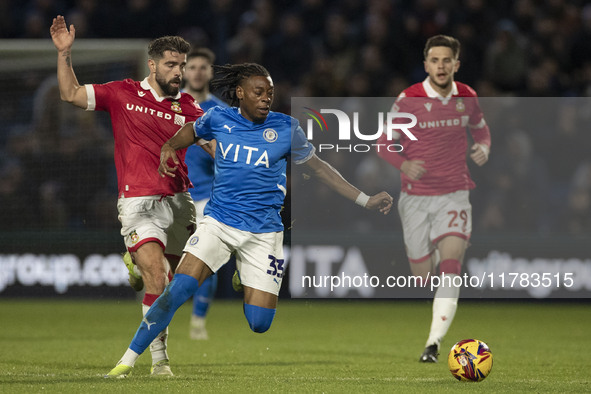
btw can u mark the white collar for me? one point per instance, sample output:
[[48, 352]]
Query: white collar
[[146, 86], [431, 93]]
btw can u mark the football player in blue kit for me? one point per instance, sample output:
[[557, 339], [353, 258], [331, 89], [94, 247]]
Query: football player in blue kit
[[242, 216]]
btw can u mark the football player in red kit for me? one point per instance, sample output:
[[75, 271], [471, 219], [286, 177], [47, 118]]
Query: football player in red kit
[[157, 214], [434, 204]]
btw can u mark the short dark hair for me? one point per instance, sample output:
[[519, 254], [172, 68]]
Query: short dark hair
[[443, 41], [157, 47], [229, 76], [202, 52]]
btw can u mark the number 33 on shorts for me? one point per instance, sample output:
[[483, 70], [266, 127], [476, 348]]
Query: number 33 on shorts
[[276, 267]]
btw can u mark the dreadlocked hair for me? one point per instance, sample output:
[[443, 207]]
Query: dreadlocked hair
[[229, 76]]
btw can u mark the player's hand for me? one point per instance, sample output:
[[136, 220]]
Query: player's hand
[[381, 201], [62, 38], [166, 154], [413, 169], [479, 154]]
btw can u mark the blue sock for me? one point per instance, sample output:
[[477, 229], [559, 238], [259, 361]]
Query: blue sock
[[259, 318], [204, 295], [161, 312]]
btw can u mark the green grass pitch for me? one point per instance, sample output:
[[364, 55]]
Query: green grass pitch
[[313, 346]]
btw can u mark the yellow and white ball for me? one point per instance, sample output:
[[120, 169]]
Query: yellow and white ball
[[470, 360]]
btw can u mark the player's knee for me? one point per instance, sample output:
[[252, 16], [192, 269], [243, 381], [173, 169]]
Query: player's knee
[[259, 318], [178, 291]]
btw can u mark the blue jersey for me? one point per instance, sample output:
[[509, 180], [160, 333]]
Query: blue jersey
[[250, 166], [199, 162]]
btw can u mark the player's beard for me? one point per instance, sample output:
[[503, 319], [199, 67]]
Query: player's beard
[[166, 86]]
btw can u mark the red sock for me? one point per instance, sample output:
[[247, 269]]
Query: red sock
[[450, 266], [149, 299]]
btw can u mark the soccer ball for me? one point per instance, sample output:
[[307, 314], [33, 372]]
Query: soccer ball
[[470, 360]]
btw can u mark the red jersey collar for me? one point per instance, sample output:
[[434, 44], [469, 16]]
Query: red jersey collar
[[431, 93]]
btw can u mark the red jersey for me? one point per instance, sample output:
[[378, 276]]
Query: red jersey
[[441, 137], [142, 122]]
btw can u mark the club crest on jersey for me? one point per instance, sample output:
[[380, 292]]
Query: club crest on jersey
[[460, 106], [193, 240], [270, 135], [176, 107], [134, 237]]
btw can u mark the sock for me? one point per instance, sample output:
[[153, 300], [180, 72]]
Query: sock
[[129, 358], [259, 318], [149, 300], [204, 295], [445, 304], [197, 321], [159, 344], [161, 312]]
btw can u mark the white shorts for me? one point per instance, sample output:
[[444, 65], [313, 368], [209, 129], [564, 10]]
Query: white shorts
[[168, 221], [200, 207], [427, 219], [259, 257]]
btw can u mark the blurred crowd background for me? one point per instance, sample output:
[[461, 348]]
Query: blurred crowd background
[[57, 168]]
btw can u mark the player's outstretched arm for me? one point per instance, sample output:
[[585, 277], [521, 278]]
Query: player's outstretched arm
[[183, 138], [330, 176], [70, 89]]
